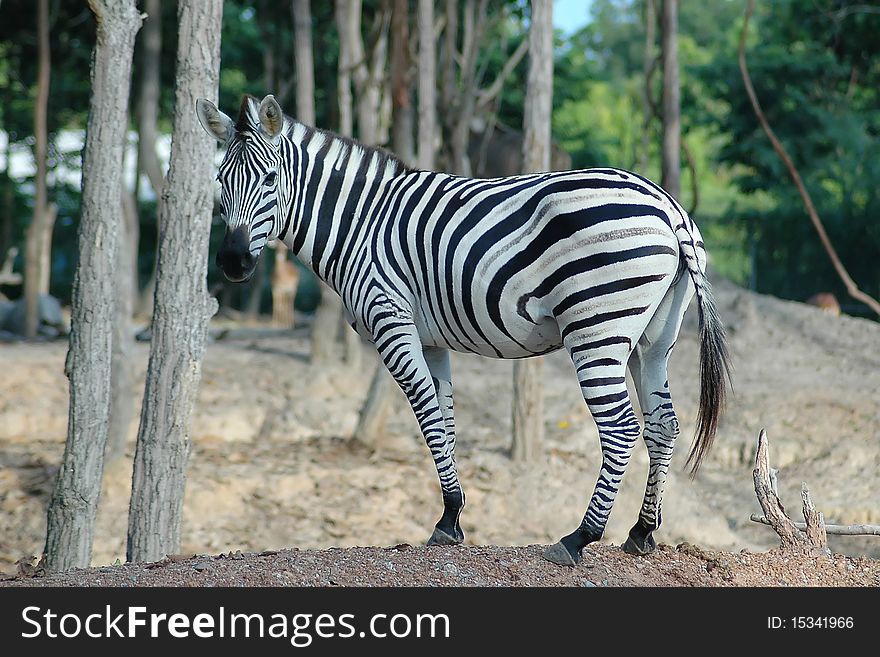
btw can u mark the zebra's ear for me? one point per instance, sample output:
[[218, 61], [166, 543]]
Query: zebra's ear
[[215, 122], [271, 116]]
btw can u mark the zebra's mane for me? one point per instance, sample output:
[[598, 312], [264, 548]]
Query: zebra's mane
[[249, 121]]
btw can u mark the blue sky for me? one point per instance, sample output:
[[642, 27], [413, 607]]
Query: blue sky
[[570, 15]]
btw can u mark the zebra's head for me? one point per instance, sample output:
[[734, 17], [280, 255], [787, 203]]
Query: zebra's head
[[249, 177]]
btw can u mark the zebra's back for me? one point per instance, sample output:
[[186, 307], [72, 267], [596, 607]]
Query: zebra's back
[[502, 267]]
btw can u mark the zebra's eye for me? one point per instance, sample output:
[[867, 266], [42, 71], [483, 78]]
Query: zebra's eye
[[270, 179]]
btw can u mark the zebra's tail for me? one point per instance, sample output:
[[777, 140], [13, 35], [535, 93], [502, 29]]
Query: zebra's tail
[[714, 357]]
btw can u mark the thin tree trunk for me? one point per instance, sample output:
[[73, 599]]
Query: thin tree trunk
[[528, 396], [427, 86], [122, 371], [671, 178], [401, 108], [74, 502], [148, 118], [305, 66], [36, 280], [325, 325], [649, 62], [8, 195], [374, 413], [183, 307]]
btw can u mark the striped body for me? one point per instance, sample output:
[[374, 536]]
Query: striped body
[[601, 262]]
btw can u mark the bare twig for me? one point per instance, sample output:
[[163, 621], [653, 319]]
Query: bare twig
[[837, 530], [851, 286]]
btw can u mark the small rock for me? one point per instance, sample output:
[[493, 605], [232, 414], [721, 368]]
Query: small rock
[[450, 569], [587, 583], [201, 565], [389, 565]]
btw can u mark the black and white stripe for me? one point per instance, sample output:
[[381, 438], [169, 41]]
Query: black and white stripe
[[600, 261]]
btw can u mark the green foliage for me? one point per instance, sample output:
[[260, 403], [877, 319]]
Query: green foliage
[[815, 66], [817, 87]]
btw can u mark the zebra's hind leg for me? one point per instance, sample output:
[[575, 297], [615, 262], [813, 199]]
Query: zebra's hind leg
[[448, 529], [602, 375], [648, 365]]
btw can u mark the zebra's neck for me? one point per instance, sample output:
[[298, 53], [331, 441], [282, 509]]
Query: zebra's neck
[[335, 183]]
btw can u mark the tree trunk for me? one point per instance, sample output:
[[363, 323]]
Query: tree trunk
[[148, 118], [649, 62], [401, 107], [528, 395], [8, 196], [427, 86], [325, 325], [671, 179], [36, 280], [183, 307], [122, 370], [305, 66], [374, 413], [74, 503]]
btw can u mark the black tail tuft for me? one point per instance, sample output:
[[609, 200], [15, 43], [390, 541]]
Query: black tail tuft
[[714, 376]]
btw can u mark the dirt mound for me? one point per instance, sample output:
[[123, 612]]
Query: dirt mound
[[273, 464], [404, 565]]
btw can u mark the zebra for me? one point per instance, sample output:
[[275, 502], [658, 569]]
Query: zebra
[[601, 262]]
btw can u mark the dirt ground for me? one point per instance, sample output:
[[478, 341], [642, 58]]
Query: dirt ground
[[274, 467]]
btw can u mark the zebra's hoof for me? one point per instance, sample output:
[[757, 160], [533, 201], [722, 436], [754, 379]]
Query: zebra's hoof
[[637, 548], [559, 554], [440, 537]]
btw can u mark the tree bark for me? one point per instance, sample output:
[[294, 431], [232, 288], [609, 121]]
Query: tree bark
[[401, 107], [374, 413], [74, 502], [39, 233], [528, 396], [325, 325], [148, 119], [122, 371], [649, 62], [671, 177], [304, 64], [427, 87], [183, 307]]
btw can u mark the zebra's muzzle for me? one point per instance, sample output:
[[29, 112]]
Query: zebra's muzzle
[[234, 257]]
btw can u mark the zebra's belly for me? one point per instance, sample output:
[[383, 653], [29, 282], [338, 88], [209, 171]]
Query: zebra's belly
[[524, 340]]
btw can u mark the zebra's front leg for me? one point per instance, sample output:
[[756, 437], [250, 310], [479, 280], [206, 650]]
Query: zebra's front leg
[[448, 529], [424, 377]]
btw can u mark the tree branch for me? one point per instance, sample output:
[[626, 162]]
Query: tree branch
[[487, 95], [839, 530]]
